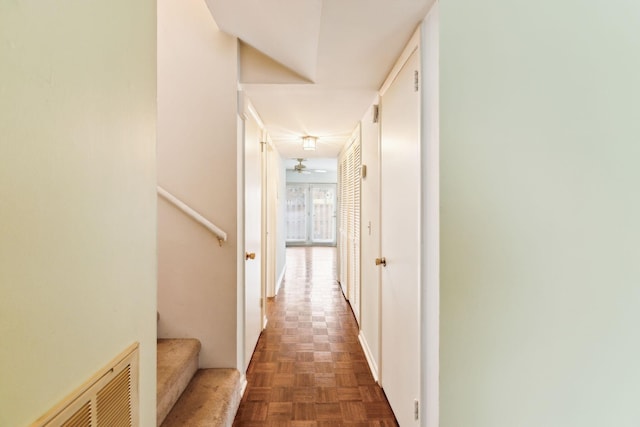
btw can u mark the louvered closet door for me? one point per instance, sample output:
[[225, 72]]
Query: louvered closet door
[[355, 300], [350, 225], [344, 202], [350, 213]]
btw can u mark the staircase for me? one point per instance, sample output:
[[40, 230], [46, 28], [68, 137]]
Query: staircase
[[188, 396]]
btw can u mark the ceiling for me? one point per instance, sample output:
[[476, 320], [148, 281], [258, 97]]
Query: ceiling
[[313, 67]]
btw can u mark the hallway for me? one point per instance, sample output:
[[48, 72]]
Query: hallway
[[308, 368]]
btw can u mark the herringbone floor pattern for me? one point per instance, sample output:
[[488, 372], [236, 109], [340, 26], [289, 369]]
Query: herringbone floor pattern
[[308, 369]]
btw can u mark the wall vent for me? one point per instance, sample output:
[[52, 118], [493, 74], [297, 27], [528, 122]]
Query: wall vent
[[108, 399]]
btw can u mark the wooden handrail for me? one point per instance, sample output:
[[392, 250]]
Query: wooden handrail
[[217, 231]]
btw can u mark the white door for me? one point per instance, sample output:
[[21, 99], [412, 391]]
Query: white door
[[252, 236], [400, 243]]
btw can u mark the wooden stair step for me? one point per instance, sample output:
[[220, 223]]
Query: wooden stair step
[[211, 400], [177, 363]]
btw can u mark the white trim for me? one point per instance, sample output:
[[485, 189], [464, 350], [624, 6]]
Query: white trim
[[412, 45], [240, 246], [243, 384], [355, 136], [254, 113], [269, 142], [280, 280], [379, 241], [430, 206], [217, 231], [368, 354], [265, 320]]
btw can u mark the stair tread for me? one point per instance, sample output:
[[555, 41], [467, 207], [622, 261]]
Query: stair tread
[[177, 361], [211, 400]]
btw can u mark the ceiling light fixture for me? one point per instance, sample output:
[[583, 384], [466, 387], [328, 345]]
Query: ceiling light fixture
[[309, 143]]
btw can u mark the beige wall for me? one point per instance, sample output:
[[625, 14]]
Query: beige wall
[[77, 198], [539, 213], [197, 162], [370, 239]]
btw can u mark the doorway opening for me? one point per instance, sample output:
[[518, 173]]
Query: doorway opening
[[310, 215]]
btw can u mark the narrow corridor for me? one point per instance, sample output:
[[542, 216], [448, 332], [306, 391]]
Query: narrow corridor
[[308, 368]]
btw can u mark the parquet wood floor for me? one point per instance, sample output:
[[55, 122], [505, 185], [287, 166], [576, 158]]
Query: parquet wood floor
[[308, 369]]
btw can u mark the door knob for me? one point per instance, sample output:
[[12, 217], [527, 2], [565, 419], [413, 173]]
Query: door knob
[[250, 255], [381, 261]]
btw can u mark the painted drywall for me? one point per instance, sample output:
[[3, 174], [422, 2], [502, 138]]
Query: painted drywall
[[281, 230], [370, 240], [430, 211], [539, 213], [78, 210], [197, 162], [276, 191], [258, 68]]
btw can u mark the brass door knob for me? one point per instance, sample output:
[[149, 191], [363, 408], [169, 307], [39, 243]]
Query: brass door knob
[[250, 255], [381, 261]]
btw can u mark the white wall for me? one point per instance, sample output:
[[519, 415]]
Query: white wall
[[539, 213], [197, 161], [276, 193], [78, 204], [430, 211], [281, 227], [370, 239], [328, 177]]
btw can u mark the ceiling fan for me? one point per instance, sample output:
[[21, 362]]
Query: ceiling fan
[[300, 167]]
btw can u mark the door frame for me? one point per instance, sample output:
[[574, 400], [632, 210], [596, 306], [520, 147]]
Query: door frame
[[430, 220]]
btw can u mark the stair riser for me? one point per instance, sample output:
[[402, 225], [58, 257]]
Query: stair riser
[[177, 364], [211, 400]]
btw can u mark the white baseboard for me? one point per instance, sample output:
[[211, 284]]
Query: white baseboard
[[369, 356], [264, 322], [243, 384], [280, 279]]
